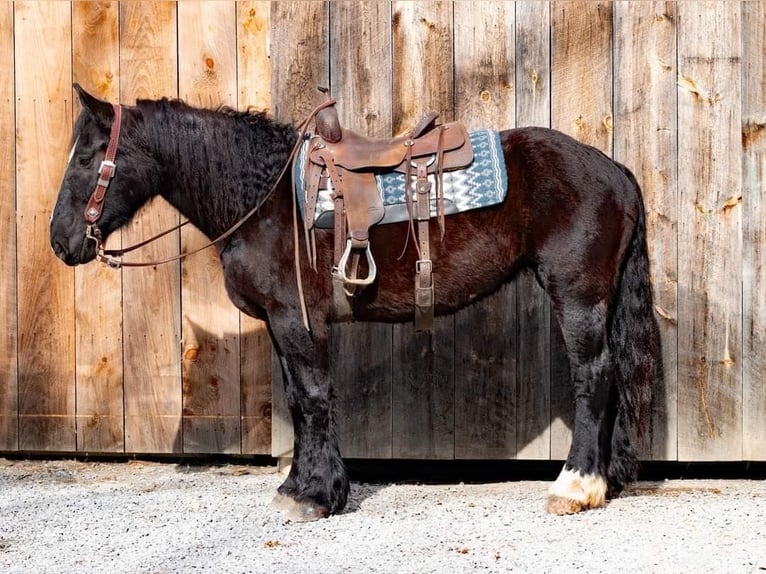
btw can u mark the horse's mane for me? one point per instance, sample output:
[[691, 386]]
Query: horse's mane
[[237, 154]]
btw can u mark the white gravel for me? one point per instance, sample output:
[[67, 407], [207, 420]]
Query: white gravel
[[141, 517]]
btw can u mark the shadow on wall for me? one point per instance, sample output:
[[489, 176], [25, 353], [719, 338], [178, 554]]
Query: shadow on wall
[[227, 406]]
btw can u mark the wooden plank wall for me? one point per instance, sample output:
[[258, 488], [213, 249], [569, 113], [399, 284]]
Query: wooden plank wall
[[158, 361], [145, 362]]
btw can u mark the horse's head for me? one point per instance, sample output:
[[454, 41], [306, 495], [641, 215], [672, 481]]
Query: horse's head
[[96, 196]]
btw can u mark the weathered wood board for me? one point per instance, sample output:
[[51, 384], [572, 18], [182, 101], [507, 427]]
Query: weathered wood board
[[646, 140], [581, 106], [254, 91], [299, 63], [151, 322], [98, 289], [754, 229], [207, 77], [9, 410], [485, 334], [710, 229], [46, 337], [533, 381], [423, 379], [360, 32]]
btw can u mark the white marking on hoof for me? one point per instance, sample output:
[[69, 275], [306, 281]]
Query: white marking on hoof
[[574, 491], [298, 511]]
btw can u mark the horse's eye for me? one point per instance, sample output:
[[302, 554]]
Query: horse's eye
[[85, 161]]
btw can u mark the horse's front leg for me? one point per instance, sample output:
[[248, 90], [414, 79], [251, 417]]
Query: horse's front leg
[[317, 484]]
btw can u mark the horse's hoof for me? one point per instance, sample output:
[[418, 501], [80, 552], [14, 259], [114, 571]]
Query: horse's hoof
[[574, 492], [561, 506], [296, 511]]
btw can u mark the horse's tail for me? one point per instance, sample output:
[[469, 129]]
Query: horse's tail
[[633, 333]]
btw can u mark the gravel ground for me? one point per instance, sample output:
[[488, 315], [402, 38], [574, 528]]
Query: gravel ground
[[146, 517]]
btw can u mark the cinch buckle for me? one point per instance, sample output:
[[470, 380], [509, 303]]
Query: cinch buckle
[[341, 268]]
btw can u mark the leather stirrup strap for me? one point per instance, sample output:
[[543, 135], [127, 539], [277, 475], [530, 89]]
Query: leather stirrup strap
[[424, 285]]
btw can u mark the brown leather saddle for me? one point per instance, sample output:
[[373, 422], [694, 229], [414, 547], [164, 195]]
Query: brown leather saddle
[[345, 163]]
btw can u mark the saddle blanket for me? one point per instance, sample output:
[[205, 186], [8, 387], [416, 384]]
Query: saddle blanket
[[483, 183]]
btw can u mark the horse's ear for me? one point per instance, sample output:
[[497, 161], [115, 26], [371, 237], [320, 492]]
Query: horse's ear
[[102, 111]]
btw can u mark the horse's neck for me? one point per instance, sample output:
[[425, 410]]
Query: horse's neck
[[210, 180]]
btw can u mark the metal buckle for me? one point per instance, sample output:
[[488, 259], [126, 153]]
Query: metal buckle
[[89, 235], [110, 261], [104, 182], [341, 268]]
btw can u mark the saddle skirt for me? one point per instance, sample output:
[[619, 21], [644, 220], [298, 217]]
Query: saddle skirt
[[483, 183]]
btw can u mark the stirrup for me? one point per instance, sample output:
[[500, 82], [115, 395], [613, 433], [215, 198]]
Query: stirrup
[[341, 268]]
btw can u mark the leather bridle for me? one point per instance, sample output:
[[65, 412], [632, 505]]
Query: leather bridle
[[107, 170]]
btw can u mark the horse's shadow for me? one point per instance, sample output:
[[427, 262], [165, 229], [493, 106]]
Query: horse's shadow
[[364, 380]]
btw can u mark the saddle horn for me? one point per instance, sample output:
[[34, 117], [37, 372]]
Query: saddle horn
[[327, 121]]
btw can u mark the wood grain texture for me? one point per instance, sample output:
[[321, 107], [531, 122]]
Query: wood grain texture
[[254, 90], [710, 229], [98, 289], [754, 229], [9, 413], [423, 382], [207, 77], [299, 62], [485, 333], [581, 69], [361, 365], [533, 367], [151, 326], [253, 69], [256, 385], [422, 57], [646, 141], [46, 300], [299, 57], [581, 106]]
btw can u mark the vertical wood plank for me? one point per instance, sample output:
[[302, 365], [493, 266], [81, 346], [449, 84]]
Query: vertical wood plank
[[46, 293], [98, 289], [299, 55], [300, 62], [151, 326], [207, 77], [254, 90], [646, 142], [253, 69], [423, 383], [754, 210], [581, 106], [485, 332], [710, 229], [9, 418], [360, 35], [581, 68], [533, 378]]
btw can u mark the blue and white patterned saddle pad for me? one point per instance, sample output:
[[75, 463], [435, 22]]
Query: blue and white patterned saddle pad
[[483, 183]]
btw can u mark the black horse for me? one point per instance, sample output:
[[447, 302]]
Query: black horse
[[571, 214]]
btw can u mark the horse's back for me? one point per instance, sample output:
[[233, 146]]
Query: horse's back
[[563, 182]]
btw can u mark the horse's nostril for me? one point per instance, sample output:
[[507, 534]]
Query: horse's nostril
[[60, 250]]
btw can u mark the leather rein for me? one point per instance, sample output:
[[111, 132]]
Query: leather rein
[[106, 171]]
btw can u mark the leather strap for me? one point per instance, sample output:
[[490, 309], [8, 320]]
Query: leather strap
[[106, 171], [424, 286]]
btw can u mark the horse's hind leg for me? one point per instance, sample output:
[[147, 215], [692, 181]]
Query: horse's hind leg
[[582, 483]]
